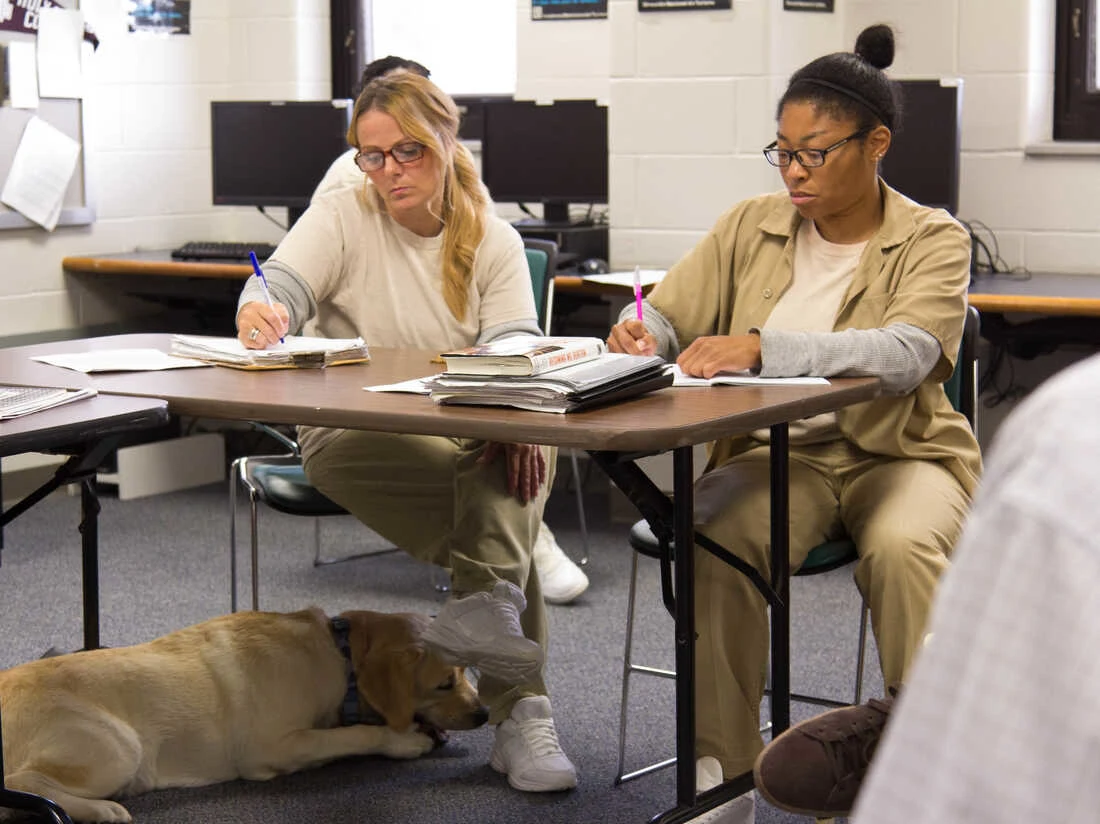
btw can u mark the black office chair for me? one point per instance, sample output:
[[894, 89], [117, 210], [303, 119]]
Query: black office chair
[[542, 258], [280, 482], [961, 390]]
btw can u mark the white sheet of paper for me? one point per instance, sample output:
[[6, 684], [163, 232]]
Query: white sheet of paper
[[118, 360], [22, 75], [416, 386], [40, 173], [648, 277], [60, 33], [732, 379]]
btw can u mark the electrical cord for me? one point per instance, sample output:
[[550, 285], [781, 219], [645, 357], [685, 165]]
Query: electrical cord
[[263, 212]]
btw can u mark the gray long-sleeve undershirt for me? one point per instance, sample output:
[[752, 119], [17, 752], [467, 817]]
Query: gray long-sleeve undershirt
[[900, 355]]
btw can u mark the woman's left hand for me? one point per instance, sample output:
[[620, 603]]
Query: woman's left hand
[[526, 465], [708, 356]]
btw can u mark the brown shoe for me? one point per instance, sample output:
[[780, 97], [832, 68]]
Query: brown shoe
[[816, 767]]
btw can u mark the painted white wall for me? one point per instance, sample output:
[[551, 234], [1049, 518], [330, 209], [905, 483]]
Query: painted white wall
[[692, 98], [147, 144]]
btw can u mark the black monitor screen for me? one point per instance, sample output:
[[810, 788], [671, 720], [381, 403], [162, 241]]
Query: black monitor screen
[[274, 153], [554, 154], [923, 160]]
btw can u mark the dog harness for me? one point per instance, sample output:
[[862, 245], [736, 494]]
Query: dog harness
[[353, 703]]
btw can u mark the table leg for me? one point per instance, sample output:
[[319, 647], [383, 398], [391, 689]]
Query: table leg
[[89, 545], [780, 701], [674, 521], [80, 468], [683, 530]]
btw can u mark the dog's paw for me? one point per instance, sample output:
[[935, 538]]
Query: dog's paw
[[410, 743]]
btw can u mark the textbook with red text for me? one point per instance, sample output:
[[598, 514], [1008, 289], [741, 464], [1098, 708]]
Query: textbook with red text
[[522, 355]]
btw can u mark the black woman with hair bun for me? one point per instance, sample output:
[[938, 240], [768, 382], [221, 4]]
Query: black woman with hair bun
[[836, 275]]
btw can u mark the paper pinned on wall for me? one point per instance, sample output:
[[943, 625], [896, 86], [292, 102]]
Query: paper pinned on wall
[[40, 173], [60, 33], [22, 75]]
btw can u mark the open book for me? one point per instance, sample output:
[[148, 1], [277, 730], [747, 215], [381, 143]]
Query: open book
[[607, 378], [16, 401], [296, 352], [522, 355]]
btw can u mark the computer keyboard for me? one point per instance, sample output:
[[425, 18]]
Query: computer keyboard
[[222, 250]]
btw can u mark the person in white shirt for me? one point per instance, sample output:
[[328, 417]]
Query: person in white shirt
[[418, 260], [999, 720], [562, 580]]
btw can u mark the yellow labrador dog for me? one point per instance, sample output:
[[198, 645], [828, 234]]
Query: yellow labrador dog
[[249, 695]]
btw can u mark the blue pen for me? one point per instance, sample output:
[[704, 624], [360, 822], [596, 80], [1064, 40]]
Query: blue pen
[[263, 282]]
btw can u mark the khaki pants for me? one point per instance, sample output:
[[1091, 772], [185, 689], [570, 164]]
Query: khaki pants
[[429, 496], [904, 516]]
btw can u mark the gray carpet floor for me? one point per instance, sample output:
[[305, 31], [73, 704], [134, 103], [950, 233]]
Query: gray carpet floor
[[164, 565]]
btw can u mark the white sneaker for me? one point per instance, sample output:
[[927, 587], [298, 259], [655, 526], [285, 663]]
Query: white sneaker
[[482, 630], [561, 579], [526, 749], [740, 810]]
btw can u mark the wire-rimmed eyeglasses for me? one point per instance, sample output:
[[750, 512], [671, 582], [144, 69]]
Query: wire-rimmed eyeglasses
[[807, 158], [403, 153]]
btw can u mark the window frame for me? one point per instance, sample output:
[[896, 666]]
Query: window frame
[[1076, 108]]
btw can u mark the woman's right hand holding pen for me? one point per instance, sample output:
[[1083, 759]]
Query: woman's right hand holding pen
[[260, 325], [630, 337]]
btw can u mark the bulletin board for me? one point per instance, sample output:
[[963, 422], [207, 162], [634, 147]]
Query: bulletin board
[[66, 115]]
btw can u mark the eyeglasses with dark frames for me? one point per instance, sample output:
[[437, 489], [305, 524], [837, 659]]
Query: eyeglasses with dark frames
[[403, 154], [807, 158]]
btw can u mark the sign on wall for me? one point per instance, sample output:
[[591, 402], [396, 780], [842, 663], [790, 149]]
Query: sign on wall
[[808, 5], [568, 9], [682, 5]]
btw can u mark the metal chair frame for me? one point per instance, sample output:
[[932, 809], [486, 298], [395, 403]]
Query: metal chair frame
[[242, 473]]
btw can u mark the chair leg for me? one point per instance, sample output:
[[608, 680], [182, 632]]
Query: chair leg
[[627, 665], [629, 668], [234, 478], [862, 656], [580, 506], [252, 502]]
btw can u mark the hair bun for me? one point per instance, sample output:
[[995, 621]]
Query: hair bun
[[875, 45]]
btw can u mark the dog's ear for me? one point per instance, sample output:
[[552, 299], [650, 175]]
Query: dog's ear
[[386, 678]]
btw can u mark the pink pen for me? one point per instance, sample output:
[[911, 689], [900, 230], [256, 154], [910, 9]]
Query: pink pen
[[638, 291]]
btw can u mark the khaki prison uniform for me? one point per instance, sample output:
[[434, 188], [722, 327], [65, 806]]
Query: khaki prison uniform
[[898, 480], [346, 268]]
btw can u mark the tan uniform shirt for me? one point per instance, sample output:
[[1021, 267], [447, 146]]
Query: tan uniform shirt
[[914, 270]]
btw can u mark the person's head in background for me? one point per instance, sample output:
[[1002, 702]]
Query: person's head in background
[[406, 132], [834, 124], [387, 64]]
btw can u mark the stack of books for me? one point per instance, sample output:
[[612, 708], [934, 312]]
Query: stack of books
[[546, 375], [296, 352]]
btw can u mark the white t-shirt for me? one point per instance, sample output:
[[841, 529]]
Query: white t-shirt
[[821, 276], [343, 172]]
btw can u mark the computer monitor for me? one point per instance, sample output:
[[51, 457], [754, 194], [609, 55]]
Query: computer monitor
[[924, 156], [554, 154], [471, 108], [274, 153]]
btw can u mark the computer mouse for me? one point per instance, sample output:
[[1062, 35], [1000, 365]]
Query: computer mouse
[[593, 266]]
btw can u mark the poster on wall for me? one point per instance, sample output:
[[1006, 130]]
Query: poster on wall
[[23, 16], [683, 5], [808, 5], [568, 9], [159, 16]]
